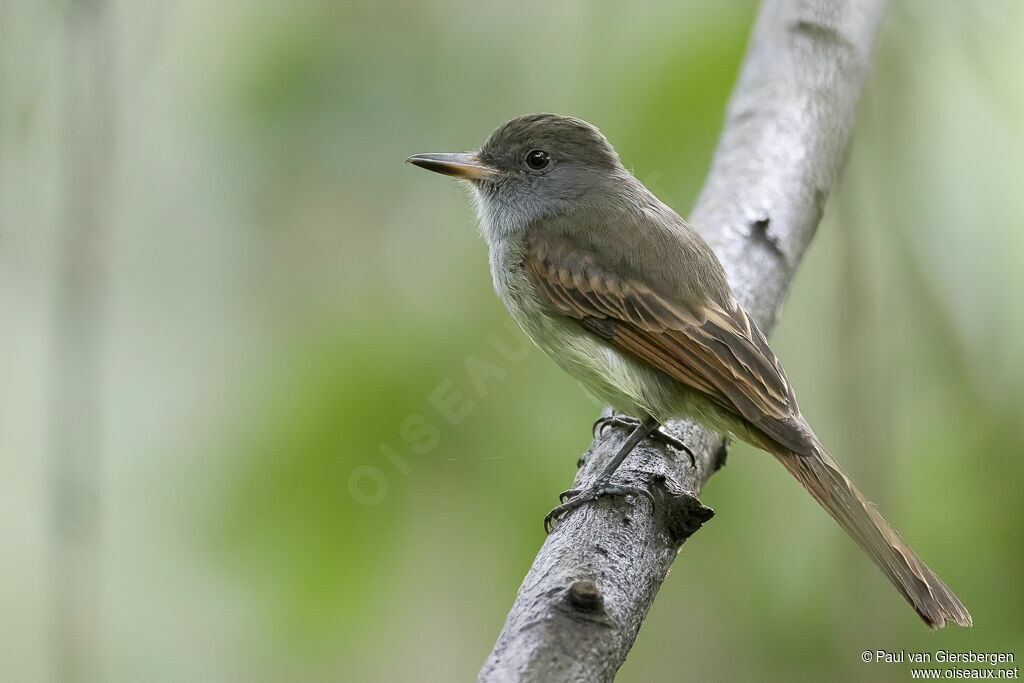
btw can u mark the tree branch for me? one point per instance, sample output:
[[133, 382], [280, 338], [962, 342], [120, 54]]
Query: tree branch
[[787, 130]]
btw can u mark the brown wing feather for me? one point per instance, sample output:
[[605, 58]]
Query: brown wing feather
[[716, 350]]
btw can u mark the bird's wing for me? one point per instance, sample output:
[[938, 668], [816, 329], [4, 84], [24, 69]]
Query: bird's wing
[[712, 347]]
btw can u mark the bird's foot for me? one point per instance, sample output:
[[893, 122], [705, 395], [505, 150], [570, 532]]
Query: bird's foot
[[631, 423], [578, 497]]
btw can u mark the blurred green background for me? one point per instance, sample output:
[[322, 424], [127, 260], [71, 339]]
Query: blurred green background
[[229, 312]]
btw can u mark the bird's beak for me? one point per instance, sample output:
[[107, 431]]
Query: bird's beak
[[465, 165]]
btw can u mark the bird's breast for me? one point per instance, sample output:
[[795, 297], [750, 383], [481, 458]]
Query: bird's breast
[[611, 376]]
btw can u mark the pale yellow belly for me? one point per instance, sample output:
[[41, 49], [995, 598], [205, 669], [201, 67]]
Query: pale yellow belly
[[611, 377]]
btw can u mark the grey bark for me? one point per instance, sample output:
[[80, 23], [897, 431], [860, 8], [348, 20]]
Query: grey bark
[[787, 130]]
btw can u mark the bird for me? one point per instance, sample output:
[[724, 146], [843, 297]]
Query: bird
[[628, 298]]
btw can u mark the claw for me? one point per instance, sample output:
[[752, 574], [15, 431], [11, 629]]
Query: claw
[[675, 443], [583, 496], [548, 522], [628, 422], [614, 420], [568, 493]]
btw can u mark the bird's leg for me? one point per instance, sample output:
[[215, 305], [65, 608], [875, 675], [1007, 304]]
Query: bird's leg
[[622, 420], [602, 486]]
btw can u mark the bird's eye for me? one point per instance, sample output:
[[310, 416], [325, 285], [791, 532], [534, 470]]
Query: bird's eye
[[537, 159]]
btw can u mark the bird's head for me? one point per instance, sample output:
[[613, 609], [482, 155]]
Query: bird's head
[[532, 167]]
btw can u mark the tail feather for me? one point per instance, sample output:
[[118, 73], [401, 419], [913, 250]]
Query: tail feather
[[921, 587]]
